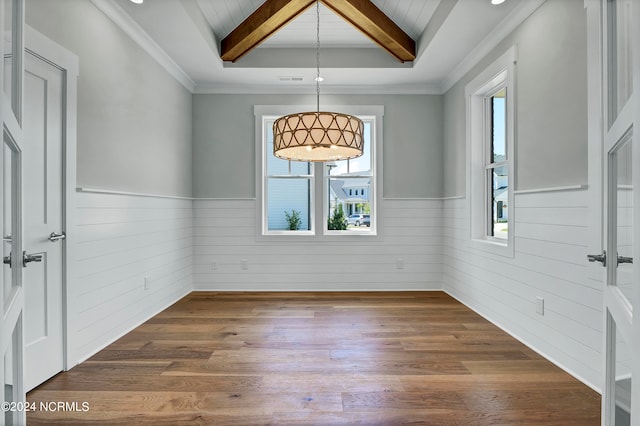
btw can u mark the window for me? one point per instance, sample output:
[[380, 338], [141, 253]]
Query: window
[[318, 199], [490, 140], [288, 190], [343, 183], [497, 167]]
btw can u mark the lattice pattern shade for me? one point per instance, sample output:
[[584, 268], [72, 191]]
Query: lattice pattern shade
[[318, 136]]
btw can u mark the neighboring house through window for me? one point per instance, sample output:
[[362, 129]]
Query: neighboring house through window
[[356, 202]]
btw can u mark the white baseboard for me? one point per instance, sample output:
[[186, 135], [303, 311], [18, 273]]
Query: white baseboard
[[130, 329], [530, 346], [311, 290]]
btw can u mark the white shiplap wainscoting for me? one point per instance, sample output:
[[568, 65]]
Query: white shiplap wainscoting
[[121, 239], [228, 255], [551, 230]]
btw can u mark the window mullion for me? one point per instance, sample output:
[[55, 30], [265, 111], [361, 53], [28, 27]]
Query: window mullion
[[290, 176], [496, 165]]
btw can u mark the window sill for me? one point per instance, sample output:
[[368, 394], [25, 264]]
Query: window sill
[[349, 235], [310, 236]]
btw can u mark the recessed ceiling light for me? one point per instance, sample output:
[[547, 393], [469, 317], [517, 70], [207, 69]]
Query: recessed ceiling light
[[492, 1], [140, 1]]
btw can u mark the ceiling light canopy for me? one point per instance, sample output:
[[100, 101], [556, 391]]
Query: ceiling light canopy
[[497, 1], [318, 136]]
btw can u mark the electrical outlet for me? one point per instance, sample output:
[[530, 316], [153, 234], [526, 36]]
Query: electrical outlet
[[244, 264], [146, 282], [399, 263], [539, 305]]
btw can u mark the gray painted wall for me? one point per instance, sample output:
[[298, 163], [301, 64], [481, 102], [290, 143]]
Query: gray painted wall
[[134, 119], [224, 142], [551, 110]]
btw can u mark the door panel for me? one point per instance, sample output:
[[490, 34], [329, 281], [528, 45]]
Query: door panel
[[8, 270], [619, 49], [623, 187], [12, 295], [622, 114], [623, 377], [8, 48], [620, 206], [12, 369], [13, 48], [43, 184]]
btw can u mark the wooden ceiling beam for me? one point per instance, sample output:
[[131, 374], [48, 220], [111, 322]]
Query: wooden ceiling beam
[[265, 21], [365, 16], [274, 14]]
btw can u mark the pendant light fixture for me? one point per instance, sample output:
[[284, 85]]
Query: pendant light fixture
[[318, 136]]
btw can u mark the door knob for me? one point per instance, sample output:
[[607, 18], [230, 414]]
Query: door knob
[[53, 237], [7, 260], [28, 258], [624, 259], [602, 258]]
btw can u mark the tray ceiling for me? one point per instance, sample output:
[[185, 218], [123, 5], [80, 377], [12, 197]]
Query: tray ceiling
[[450, 36]]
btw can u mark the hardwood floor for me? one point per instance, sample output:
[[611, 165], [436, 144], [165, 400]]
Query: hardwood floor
[[317, 359]]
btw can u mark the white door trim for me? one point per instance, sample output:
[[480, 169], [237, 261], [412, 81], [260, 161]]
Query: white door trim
[[51, 52]]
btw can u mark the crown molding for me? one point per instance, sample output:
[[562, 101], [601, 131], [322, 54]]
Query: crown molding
[[114, 12], [501, 31], [248, 89]]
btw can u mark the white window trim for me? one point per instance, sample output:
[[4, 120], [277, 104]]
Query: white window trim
[[318, 230], [501, 73], [264, 187], [373, 186]]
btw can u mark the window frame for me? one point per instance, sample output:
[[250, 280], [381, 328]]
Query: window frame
[[319, 177], [373, 198], [311, 177], [498, 76]]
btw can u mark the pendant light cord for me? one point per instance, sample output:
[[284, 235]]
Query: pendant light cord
[[318, 55]]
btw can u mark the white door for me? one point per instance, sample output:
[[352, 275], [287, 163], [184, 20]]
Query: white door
[[620, 193], [43, 220], [12, 294]]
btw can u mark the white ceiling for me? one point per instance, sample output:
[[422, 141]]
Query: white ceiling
[[410, 15], [450, 35]]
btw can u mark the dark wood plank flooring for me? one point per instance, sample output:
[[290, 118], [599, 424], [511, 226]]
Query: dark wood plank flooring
[[317, 359]]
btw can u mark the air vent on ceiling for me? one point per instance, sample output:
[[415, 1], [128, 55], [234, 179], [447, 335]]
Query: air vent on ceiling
[[291, 78]]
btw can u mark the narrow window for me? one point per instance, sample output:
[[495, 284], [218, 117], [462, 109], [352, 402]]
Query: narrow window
[[497, 168], [490, 141]]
